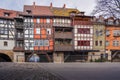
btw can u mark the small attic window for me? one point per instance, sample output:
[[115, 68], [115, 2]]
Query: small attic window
[[28, 11], [72, 13], [6, 14]]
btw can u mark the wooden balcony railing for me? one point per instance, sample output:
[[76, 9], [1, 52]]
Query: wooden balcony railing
[[65, 35], [62, 25], [63, 48]]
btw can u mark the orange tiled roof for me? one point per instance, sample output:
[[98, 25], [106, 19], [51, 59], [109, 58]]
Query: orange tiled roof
[[38, 10], [11, 12]]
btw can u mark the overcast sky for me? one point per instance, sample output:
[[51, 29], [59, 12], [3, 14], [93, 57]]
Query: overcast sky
[[83, 5]]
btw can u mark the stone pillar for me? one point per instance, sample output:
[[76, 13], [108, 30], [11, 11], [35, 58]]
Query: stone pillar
[[109, 55], [58, 57], [19, 57], [95, 55]]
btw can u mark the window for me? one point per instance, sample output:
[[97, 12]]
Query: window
[[46, 43], [20, 35], [107, 43], [99, 32], [31, 31], [83, 43], [6, 14], [115, 43], [66, 20], [37, 30], [100, 43], [49, 31], [5, 43], [36, 42], [3, 31], [19, 44], [41, 43], [38, 20], [107, 32], [116, 32], [110, 22], [63, 21], [30, 44], [106, 56], [84, 30], [69, 21], [48, 20], [28, 11], [96, 43], [101, 56]]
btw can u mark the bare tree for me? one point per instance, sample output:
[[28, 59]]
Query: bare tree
[[107, 8]]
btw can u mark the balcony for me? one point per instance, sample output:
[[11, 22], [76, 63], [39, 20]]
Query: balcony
[[62, 25], [19, 37], [63, 48], [64, 35], [19, 25], [116, 35], [83, 23]]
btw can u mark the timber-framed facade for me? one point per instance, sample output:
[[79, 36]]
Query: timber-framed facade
[[54, 34]]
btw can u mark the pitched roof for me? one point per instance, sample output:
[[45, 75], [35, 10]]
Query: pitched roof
[[63, 11], [38, 10], [11, 13]]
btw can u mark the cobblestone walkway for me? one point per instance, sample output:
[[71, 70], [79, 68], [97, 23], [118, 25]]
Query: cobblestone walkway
[[24, 71]]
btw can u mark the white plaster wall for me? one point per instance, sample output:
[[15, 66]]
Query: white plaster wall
[[10, 46]]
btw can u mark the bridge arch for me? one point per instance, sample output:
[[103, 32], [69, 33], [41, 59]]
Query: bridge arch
[[4, 58]]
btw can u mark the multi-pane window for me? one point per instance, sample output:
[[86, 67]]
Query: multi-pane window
[[99, 32], [100, 43], [20, 35], [84, 30], [49, 31], [19, 44], [116, 32], [6, 14], [5, 43], [107, 32], [107, 43], [31, 31], [48, 21], [36, 42], [83, 43], [41, 42], [37, 30], [110, 22], [38, 20], [96, 43], [30, 44], [3, 31], [46, 43], [115, 43]]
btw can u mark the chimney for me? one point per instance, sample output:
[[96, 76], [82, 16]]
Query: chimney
[[51, 5], [64, 6], [34, 4]]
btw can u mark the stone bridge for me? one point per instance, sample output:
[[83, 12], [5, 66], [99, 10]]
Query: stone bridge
[[6, 55]]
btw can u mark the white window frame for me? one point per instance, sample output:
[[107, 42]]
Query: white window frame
[[37, 30], [38, 20], [46, 42], [49, 30], [36, 42], [41, 43], [47, 20]]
